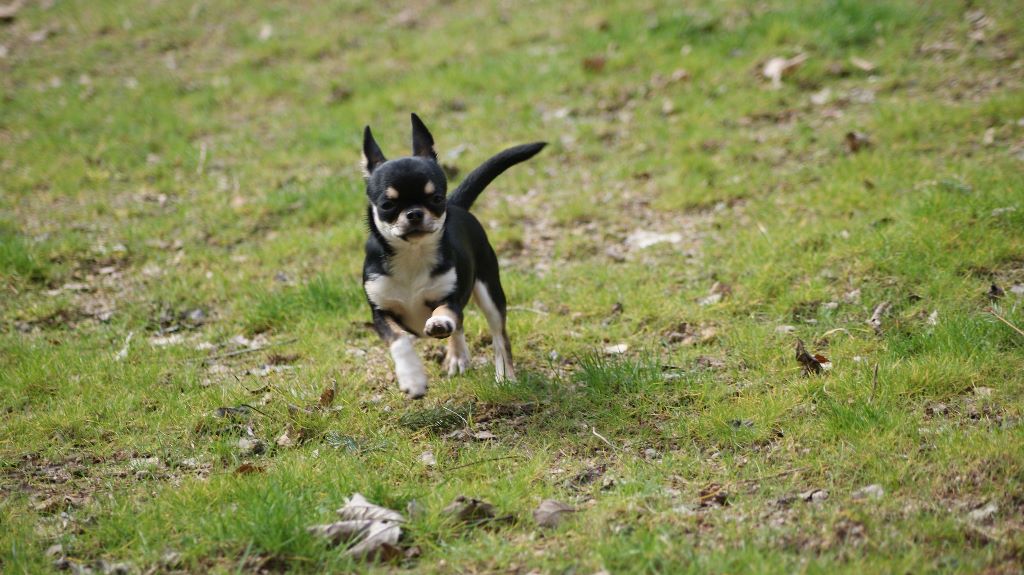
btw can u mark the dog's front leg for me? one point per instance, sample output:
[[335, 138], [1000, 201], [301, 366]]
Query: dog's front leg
[[446, 321], [412, 377]]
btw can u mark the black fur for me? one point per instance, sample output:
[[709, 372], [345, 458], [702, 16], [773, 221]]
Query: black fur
[[408, 196]]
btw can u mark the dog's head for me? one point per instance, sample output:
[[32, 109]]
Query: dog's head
[[407, 195]]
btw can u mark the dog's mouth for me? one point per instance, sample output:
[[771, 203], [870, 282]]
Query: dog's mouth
[[415, 234]]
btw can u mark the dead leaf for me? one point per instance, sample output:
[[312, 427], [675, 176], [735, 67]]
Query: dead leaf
[[594, 63], [286, 439], [873, 491], [995, 292], [863, 65], [713, 494], [814, 495], [776, 68], [248, 469], [484, 435], [708, 362], [327, 397], [10, 11], [373, 531], [811, 364], [616, 349], [857, 141], [551, 512], [250, 446], [469, 510], [427, 458]]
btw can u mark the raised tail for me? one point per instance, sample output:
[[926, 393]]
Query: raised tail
[[478, 179]]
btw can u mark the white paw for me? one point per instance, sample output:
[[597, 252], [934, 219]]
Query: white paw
[[456, 364], [412, 378], [439, 326], [413, 384]]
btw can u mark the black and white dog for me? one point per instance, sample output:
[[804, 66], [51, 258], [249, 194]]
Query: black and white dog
[[426, 255]]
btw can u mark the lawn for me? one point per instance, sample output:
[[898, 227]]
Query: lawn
[[181, 228]]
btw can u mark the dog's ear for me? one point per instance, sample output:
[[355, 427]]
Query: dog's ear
[[422, 141], [372, 156]]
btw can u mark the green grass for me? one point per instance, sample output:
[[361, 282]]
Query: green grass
[[173, 178]]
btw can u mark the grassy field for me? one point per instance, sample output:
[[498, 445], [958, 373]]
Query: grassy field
[[181, 228]]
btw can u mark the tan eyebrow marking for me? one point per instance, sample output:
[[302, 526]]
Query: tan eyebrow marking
[[391, 193], [429, 188]]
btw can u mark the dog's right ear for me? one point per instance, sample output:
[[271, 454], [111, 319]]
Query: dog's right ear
[[372, 156]]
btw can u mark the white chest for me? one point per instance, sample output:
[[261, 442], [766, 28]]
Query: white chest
[[407, 291]]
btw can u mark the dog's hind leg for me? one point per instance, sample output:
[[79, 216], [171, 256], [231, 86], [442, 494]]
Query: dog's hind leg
[[491, 300], [412, 377]]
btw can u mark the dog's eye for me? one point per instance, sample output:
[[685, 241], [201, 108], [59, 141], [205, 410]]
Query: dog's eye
[[386, 205], [437, 200]]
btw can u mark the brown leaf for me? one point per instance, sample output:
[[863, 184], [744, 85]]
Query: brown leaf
[[248, 469], [327, 397], [551, 512], [594, 63], [995, 292], [775, 68], [810, 363], [713, 494], [468, 509], [857, 141]]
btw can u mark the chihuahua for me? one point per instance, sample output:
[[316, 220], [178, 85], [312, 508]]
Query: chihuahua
[[426, 255]]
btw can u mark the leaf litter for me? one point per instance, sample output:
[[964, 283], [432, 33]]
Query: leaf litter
[[369, 530]]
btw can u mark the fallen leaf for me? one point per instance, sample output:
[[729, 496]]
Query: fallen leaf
[[713, 494], [985, 514], [775, 68], [708, 362], [594, 63], [285, 439], [873, 491], [250, 446], [641, 239], [484, 435], [857, 141], [551, 512], [863, 65], [266, 31], [814, 495], [785, 329], [327, 397], [811, 364], [469, 510], [616, 349], [995, 292], [427, 458], [10, 11], [248, 469], [373, 531]]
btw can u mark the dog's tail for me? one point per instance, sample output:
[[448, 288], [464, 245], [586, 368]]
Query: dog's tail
[[477, 180]]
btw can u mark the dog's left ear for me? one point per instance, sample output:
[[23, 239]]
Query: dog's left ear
[[422, 141]]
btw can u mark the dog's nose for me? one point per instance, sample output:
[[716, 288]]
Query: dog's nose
[[414, 216]]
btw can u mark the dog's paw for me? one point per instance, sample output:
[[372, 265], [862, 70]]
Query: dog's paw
[[439, 326], [414, 385], [455, 364]]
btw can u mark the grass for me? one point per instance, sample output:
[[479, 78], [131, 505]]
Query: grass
[[182, 229]]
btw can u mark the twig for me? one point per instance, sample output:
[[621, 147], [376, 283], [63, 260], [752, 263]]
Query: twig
[[247, 350], [1004, 320], [876, 317], [530, 309], [202, 158], [874, 385], [773, 475], [603, 438], [478, 462]]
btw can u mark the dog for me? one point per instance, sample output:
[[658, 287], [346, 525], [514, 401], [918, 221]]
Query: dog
[[426, 255]]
